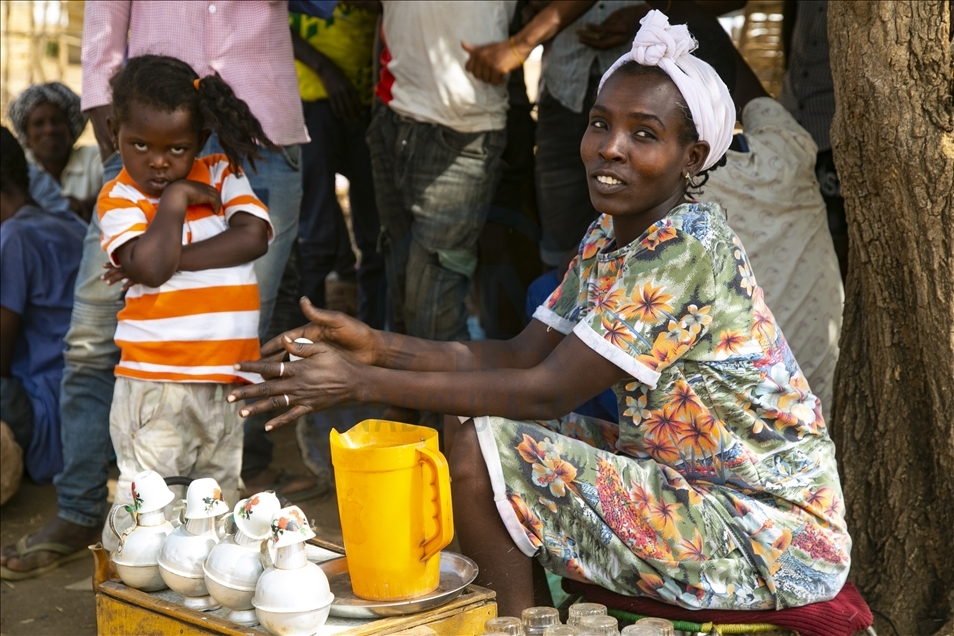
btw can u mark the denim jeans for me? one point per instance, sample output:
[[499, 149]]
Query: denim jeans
[[338, 146], [433, 187], [91, 354], [563, 196]]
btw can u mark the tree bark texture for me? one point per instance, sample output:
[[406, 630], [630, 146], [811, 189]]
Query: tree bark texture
[[893, 424]]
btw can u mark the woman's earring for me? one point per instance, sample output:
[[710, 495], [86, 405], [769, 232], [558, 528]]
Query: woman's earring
[[687, 176]]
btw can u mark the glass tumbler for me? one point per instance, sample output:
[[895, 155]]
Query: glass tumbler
[[607, 625], [537, 619], [561, 630], [579, 610], [509, 625], [650, 627]]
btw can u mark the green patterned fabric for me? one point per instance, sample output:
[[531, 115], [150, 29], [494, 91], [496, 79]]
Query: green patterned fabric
[[719, 488]]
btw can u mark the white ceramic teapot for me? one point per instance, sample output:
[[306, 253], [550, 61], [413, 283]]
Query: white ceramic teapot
[[234, 566], [186, 549], [137, 557], [292, 597]]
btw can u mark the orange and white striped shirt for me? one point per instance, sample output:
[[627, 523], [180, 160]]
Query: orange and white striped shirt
[[196, 325]]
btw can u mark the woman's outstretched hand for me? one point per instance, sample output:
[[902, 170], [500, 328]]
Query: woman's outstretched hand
[[353, 338], [323, 378]]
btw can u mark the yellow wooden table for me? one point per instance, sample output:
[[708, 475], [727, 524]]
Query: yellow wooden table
[[123, 611]]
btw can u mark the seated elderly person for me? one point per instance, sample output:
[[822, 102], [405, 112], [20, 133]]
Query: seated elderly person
[[39, 257], [48, 121]]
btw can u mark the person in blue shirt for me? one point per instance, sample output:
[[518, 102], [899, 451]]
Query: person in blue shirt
[[39, 256]]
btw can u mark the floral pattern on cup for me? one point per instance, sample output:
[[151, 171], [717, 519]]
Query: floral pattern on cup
[[289, 525], [204, 499], [245, 512], [253, 516], [136, 500], [212, 501], [148, 492]]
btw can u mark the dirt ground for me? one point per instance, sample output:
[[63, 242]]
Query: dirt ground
[[61, 603]]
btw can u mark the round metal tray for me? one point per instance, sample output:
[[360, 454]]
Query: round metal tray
[[457, 572]]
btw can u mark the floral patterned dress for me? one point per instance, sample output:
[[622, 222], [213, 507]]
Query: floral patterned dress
[[719, 487]]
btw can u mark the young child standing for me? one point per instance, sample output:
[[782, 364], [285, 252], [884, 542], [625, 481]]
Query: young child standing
[[183, 232]]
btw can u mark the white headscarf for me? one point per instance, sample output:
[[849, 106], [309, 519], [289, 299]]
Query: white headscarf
[[669, 47]]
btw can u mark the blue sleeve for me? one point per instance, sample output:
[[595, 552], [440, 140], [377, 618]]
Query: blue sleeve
[[46, 191], [316, 8], [13, 270]]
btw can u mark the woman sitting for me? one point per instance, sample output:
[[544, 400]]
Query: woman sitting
[[40, 252], [47, 120], [718, 488]]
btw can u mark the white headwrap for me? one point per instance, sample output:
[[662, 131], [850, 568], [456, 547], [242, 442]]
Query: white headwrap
[[669, 47]]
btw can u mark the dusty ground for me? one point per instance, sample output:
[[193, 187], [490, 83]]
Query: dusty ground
[[61, 603]]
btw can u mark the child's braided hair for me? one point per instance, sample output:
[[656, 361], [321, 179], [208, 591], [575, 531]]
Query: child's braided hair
[[168, 84]]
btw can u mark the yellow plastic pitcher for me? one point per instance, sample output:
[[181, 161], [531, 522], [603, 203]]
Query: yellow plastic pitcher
[[395, 506]]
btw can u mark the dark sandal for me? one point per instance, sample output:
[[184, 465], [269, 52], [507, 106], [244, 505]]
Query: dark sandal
[[67, 554]]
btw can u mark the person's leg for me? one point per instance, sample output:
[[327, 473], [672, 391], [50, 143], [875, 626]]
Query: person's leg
[[217, 435], [356, 166], [830, 188], [509, 242], [483, 536], [451, 178], [16, 410], [317, 232], [151, 425], [563, 197], [387, 139], [85, 397]]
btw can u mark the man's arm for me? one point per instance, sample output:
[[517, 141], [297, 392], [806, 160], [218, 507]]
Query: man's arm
[[342, 96], [105, 25], [491, 62]]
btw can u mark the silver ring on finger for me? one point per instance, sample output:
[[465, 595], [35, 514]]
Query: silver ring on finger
[[287, 401], [281, 369]]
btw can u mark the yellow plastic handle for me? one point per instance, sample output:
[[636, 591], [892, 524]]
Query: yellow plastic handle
[[445, 512]]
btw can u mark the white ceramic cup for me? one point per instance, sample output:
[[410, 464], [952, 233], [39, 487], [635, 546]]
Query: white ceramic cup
[[290, 526], [149, 492], [204, 499], [253, 516]]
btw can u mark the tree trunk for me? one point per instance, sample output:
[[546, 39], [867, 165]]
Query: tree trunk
[[893, 424]]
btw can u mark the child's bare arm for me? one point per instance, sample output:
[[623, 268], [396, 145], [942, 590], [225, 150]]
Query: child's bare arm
[[244, 241], [153, 257]]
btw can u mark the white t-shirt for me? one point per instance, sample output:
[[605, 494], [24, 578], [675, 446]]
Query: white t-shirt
[[427, 61]]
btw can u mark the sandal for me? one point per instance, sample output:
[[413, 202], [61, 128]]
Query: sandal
[[67, 554]]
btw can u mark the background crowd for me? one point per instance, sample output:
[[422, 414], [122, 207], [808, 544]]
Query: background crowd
[[466, 201]]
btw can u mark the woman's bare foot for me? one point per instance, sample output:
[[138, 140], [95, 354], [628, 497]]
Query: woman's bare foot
[[56, 531]]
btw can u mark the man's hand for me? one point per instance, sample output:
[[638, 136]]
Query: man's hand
[[618, 28], [342, 96], [104, 139], [491, 62]]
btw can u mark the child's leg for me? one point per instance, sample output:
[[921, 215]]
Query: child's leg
[[220, 431], [144, 427]]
